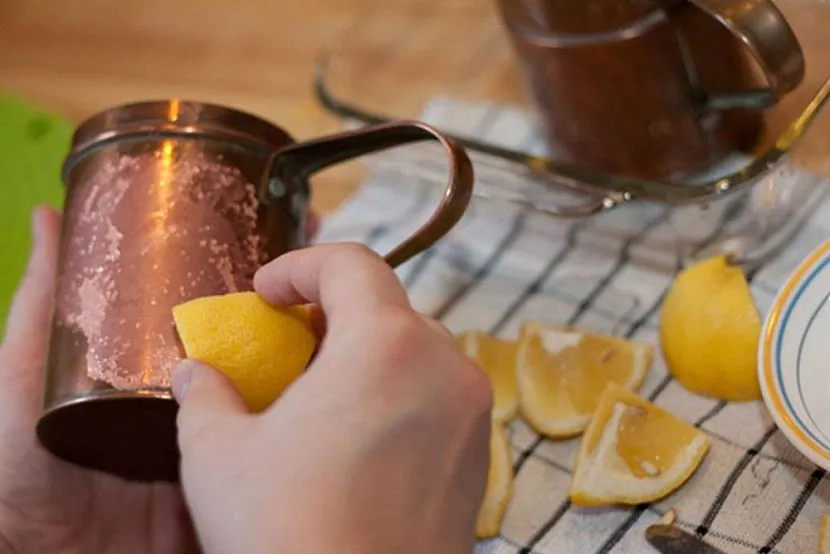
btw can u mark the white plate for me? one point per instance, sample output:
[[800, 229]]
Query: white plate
[[794, 358]]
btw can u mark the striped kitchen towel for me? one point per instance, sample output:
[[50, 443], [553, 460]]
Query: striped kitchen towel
[[504, 264]]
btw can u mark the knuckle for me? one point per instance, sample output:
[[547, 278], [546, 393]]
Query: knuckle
[[357, 251], [439, 327], [408, 339], [403, 331]]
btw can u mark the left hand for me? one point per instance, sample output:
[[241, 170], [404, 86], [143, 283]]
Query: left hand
[[47, 505]]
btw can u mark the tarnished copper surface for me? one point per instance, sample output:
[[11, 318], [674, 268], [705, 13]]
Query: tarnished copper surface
[[166, 202], [125, 268]]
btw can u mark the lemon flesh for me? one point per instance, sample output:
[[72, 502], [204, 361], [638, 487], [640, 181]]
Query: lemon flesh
[[634, 452], [561, 373], [499, 485], [262, 349], [709, 331], [497, 357]]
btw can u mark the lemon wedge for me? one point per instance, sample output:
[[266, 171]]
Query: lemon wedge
[[561, 373], [499, 485], [634, 452], [709, 331], [261, 348], [824, 534], [497, 357]]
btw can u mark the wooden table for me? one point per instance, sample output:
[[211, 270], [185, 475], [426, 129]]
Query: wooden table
[[258, 55]]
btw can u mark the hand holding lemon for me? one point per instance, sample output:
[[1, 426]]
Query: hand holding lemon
[[383, 441], [261, 348]]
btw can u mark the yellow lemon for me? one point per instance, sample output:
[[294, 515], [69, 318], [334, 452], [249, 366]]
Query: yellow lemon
[[497, 357], [709, 331], [634, 452], [261, 348], [561, 373], [499, 485]]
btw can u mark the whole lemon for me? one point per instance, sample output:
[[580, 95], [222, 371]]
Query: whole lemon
[[709, 331], [261, 348]]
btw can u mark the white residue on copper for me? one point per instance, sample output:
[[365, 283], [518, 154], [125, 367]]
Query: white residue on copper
[[251, 243], [163, 358], [94, 290], [252, 248], [218, 248], [92, 197], [95, 295], [113, 237], [93, 309], [225, 269], [224, 225], [111, 197]]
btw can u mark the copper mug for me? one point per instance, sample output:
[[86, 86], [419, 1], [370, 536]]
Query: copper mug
[[167, 201], [655, 89]]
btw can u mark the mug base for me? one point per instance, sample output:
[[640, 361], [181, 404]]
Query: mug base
[[129, 434]]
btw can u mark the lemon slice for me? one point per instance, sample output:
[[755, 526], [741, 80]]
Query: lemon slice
[[824, 535], [709, 331], [634, 452], [261, 348], [497, 357], [562, 372], [499, 485]]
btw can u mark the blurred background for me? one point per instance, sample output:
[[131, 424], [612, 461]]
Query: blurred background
[[77, 58]]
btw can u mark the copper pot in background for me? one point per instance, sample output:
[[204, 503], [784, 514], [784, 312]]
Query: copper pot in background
[[655, 89], [168, 201]]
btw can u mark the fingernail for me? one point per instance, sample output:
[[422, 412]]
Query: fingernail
[[180, 380]]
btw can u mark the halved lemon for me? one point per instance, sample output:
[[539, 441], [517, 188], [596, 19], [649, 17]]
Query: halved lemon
[[499, 485], [497, 357], [634, 452], [261, 348], [561, 373], [709, 331]]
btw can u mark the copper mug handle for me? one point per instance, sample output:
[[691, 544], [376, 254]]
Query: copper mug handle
[[771, 42], [290, 168]]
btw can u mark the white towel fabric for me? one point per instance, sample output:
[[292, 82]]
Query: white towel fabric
[[503, 265]]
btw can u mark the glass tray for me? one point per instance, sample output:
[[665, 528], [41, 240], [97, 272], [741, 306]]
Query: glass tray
[[433, 60]]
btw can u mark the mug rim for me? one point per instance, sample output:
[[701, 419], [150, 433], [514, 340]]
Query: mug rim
[[178, 113], [175, 117]]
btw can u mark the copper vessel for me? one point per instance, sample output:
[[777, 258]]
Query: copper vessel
[[168, 201], [652, 89]]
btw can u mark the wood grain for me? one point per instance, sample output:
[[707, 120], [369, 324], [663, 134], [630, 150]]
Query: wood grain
[[258, 55]]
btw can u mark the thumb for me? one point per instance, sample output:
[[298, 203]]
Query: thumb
[[206, 398], [24, 348]]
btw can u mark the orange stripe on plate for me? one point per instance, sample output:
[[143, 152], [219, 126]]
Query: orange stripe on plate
[[772, 324]]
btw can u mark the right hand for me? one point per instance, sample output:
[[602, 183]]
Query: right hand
[[381, 446]]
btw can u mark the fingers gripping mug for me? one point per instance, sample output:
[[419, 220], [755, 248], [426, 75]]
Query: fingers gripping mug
[[167, 201]]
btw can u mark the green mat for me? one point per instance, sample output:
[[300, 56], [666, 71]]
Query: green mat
[[33, 143]]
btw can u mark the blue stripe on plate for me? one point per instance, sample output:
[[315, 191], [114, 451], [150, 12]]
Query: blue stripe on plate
[[781, 330]]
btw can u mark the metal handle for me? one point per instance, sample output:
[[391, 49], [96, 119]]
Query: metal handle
[[762, 28], [290, 168]]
